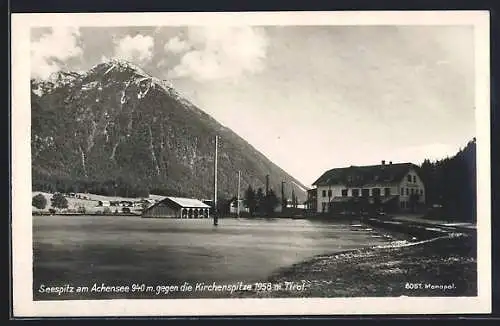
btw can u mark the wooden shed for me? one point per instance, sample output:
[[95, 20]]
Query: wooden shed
[[177, 207]]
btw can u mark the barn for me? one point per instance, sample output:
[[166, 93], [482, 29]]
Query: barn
[[177, 207]]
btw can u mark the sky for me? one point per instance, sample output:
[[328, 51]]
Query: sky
[[310, 98]]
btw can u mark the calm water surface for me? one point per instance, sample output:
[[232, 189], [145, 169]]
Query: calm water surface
[[86, 249]]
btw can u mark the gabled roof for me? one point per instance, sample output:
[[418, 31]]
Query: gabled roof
[[188, 202], [180, 202], [358, 176]]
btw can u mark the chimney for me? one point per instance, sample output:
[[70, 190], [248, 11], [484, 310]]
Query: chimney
[[383, 162]]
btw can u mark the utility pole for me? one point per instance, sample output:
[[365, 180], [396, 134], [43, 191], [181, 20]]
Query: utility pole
[[267, 184], [215, 181], [283, 200], [238, 199]]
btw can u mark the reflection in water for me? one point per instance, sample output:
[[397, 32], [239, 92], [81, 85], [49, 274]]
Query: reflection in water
[[100, 248]]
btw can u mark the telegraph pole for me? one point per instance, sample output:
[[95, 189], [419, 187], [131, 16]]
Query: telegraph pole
[[238, 199], [267, 184], [215, 181], [283, 202]]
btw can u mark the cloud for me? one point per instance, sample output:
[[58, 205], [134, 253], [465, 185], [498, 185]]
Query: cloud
[[220, 52], [137, 49], [176, 45], [52, 50]]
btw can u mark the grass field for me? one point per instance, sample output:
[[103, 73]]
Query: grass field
[[90, 204]]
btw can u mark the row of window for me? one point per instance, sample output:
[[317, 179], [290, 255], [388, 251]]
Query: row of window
[[375, 192], [411, 178], [364, 192], [411, 191]]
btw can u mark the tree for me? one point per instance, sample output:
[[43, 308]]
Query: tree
[[223, 206], [270, 202], [250, 200], [451, 182], [39, 201], [59, 201], [259, 200]]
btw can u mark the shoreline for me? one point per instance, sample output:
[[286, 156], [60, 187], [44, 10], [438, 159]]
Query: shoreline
[[441, 266]]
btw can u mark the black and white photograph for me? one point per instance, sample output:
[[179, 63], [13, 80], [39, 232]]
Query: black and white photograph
[[250, 163]]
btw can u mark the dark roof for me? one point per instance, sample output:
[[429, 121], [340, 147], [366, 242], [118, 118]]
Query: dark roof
[[358, 176]]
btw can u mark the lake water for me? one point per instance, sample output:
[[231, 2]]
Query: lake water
[[81, 250]]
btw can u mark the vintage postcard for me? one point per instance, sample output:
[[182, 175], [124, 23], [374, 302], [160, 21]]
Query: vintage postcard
[[279, 163]]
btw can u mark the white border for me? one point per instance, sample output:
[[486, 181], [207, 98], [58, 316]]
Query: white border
[[24, 306]]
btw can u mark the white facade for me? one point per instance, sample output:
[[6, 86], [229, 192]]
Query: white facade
[[233, 207], [325, 194], [408, 185], [411, 184]]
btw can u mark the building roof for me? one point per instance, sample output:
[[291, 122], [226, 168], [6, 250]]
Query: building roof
[[188, 202], [358, 176], [180, 202]]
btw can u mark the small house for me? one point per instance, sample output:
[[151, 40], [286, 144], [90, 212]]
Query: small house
[[104, 203], [233, 207], [177, 207], [126, 203]]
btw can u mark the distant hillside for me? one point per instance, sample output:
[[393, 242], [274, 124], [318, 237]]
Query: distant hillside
[[115, 130]]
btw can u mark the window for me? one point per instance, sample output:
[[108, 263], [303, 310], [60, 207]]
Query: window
[[387, 191], [409, 178], [402, 191], [376, 192], [323, 207], [402, 204], [422, 192], [344, 192], [365, 192], [355, 192], [329, 193], [412, 191], [414, 179], [324, 193], [407, 192]]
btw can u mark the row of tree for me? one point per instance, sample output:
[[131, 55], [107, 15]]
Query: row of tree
[[260, 203], [451, 184], [57, 201]]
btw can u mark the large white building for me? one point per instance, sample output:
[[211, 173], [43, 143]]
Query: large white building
[[391, 186]]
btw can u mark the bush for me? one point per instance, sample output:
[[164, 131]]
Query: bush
[[52, 211], [59, 201], [125, 210], [106, 211], [82, 210], [39, 201]]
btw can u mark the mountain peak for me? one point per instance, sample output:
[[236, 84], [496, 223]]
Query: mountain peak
[[120, 65], [117, 123]]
